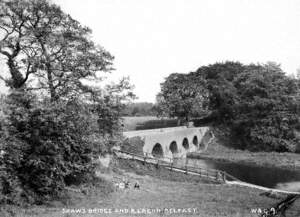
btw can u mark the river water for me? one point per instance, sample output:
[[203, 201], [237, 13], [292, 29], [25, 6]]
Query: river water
[[283, 179]]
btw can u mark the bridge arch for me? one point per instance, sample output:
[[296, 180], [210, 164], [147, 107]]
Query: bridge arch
[[174, 147], [157, 150], [157, 142], [185, 143], [195, 141]]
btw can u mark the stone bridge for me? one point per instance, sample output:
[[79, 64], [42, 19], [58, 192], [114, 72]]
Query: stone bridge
[[172, 142]]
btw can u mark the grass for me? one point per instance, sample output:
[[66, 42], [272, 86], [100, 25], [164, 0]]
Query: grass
[[147, 122], [162, 190], [160, 172], [73, 196]]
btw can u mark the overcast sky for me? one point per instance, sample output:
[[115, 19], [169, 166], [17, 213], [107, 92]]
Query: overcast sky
[[151, 39]]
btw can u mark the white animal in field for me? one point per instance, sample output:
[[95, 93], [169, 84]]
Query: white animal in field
[[120, 185]]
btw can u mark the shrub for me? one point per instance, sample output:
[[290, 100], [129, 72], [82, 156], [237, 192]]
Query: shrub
[[133, 145], [46, 148]]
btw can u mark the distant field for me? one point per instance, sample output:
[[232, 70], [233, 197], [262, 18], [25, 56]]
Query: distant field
[[147, 122]]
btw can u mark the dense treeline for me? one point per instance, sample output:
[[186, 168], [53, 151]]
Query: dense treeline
[[258, 103], [54, 120], [139, 109]]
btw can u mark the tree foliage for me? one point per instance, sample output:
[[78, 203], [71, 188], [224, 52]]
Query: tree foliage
[[15, 44], [259, 103], [43, 43], [268, 110], [183, 96], [139, 109], [57, 117], [47, 146]]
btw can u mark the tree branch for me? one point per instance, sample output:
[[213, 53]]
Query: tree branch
[[5, 53], [8, 33], [2, 78]]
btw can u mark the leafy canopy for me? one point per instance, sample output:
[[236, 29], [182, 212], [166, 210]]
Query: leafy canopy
[[258, 103]]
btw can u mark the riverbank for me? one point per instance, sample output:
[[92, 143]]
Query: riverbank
[[176, 194], [218, 152]]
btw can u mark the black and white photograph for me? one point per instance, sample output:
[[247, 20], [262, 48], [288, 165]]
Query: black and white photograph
[[149, 108]]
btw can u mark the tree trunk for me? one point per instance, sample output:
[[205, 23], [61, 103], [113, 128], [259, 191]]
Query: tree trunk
[[52, 91], [178, 121], [53, 95], [17, 79]]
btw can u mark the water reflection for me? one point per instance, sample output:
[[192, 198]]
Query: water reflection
[[289, 186], [268, 177]]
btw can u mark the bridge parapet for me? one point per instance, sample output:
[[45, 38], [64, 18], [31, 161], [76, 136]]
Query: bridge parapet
[[135, 133]]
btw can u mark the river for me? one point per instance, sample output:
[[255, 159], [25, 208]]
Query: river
[[283, 179]]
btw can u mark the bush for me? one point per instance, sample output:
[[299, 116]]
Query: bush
[[133, 145], [46, 148]]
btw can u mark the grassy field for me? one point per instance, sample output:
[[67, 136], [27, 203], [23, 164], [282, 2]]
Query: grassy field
[[175, 193], [162, 190], [147, 122]]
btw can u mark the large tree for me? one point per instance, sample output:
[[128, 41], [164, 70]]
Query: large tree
[[42, 41], [258, 103], [267, 112], [57, 116], [183, 96], [16, 44], [222, 93]]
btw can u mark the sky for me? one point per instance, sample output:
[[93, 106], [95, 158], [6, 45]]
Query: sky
[[151, 39]]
